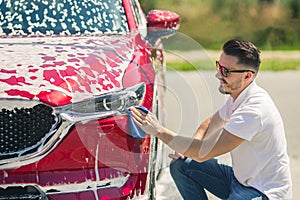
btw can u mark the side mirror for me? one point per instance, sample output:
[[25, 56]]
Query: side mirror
[[161, 24]]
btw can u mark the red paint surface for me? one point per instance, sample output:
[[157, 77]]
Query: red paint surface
[[55, 75]]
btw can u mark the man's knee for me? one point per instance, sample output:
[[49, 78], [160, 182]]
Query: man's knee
[[177, 166]]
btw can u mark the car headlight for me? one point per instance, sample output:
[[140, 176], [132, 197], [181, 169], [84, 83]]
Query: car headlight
[[114, 103]]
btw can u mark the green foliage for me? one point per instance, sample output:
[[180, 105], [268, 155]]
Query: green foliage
[[276, 37], [270, 24], [187, 66], [267, 65], [279, 65]]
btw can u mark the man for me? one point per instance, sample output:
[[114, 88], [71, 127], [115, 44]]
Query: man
[[248, 126]]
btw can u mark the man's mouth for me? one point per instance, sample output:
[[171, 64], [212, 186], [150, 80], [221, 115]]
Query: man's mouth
[[222, 81]]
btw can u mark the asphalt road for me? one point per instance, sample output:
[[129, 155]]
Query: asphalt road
[[193, 96]]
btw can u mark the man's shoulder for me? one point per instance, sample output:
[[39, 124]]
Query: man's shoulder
[[258, 95]]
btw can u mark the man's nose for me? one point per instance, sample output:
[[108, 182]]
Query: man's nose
[[218, 74]]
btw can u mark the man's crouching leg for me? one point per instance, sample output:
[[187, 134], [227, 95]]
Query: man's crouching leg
[[192, 178]]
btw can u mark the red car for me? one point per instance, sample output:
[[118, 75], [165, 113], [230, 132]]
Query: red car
[[69, 71]]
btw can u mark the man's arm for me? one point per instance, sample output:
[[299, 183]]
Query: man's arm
[[199, 134], [205, 144], [209, 125], [200, 150], [201, 131], [225, 143]]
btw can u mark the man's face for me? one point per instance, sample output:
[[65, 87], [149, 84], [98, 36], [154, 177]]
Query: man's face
[[234, 83]]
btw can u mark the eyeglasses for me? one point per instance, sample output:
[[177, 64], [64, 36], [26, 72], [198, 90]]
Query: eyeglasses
[[226, 72]]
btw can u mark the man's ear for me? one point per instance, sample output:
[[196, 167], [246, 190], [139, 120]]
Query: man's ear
[[249, 75]]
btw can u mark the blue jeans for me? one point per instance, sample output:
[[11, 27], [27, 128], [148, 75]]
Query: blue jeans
[[191, 178]]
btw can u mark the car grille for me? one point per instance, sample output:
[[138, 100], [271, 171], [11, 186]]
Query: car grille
[[23, 130], [28, 192]]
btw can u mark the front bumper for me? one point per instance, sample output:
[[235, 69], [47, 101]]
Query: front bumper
[[90, 160], [114, 188]]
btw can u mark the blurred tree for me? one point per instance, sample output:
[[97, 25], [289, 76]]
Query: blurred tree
[[295, 7], [148, 5], [266, 1], [270, 23]]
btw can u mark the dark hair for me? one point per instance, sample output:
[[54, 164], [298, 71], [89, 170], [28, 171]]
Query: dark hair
[[246, 52]]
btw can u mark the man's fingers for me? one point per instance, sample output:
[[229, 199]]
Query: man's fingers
[[138, 112], [176, 155], [146, 121], [137, 122], [138, 115]]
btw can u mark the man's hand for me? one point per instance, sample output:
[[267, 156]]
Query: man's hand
[[147, 121], [176, 155]]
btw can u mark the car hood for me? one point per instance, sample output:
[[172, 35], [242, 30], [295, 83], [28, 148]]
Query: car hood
[[62, 70]]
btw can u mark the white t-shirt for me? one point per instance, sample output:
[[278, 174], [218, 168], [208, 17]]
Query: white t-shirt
[[261, 161]]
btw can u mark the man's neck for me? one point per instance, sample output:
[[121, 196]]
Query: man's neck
[[237, 94]]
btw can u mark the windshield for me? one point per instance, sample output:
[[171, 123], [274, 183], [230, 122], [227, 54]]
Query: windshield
[[62, 17]]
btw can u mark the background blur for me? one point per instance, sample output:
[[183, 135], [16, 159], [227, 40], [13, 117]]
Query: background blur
[[270, 24]]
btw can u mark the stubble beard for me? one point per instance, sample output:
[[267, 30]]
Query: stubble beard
[[226, 88], [223, 91]]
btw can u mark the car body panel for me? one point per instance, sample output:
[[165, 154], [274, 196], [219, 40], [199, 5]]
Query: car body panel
[[74, 66]]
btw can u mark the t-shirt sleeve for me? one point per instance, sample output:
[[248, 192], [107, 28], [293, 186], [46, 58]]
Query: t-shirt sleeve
[[244, 124]]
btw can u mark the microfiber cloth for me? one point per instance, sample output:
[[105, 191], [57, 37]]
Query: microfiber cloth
[[136, 131]]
